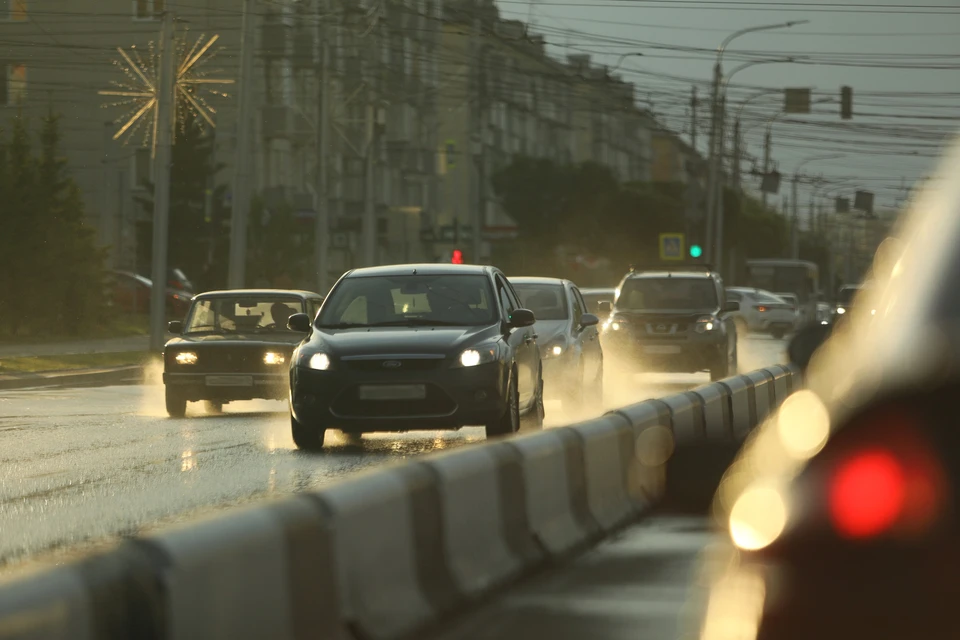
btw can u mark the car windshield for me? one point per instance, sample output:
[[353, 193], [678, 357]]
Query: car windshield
[[241, 314], [846, 295], [769, 298], [547, 301], [593, 300], [667, 294], [457, 300]]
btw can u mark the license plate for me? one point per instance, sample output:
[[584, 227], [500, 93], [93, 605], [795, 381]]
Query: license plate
[[229, 381], [661, 349], [393, 392]]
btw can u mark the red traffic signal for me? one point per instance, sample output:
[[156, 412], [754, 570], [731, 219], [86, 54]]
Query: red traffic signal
[[456, 257]]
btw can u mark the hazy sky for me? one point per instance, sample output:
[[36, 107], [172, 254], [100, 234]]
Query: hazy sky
[[902, 61]]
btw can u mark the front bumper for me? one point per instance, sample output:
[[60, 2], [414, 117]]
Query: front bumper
[[690, 353], [456, 397], [229, 387]]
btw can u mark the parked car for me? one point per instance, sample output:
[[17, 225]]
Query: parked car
[[131, 293], [233, 345], [569, 338], [763, 312], [599, 301], [672, 321], [416, 347]]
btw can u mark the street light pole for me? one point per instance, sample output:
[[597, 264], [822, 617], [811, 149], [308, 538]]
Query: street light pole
[[795, 233], [236, 276], [161, 181]]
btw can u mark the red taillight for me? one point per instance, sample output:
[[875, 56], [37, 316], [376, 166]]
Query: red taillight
[[867, 494], [457, 257], [761, 309]]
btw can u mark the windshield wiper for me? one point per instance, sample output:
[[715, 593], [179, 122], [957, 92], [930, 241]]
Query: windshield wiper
[[419, 322], [342, 325]]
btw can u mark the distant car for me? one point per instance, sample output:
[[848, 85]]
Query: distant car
[[130, 292], [233, 345], [176, 279], [824, 313], [569, 339], [416, 347], [599, 301], [672, 321], [763, 312]]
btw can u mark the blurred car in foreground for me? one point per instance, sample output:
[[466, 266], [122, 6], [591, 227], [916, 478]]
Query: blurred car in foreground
[[416, 347], [841, 512], [599, 301], [233, 345], [569, 339], [131, 294], [763, 312], [672, 321]]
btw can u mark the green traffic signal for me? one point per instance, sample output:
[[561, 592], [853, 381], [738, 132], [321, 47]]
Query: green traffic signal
[[696, 251]]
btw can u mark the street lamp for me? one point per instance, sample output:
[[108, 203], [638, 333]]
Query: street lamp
[[716, 125], [795, 235]]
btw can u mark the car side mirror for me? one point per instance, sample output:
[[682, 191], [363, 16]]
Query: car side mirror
[[299, 322], [806, 342], [522, 318], [175, 327], [589, 320], [605, 307], [731, 306]]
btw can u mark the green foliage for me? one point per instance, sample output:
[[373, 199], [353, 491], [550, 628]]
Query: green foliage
[[198, 232], [279, 246], [53, 270]]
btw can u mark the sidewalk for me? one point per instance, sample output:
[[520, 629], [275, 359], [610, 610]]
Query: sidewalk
[[108, 345]]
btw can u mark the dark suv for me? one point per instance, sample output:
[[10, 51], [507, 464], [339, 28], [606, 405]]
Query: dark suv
[[672, 321]]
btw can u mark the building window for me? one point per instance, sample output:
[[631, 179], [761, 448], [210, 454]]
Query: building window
[[14, 90], [148, 9], [13, 10]]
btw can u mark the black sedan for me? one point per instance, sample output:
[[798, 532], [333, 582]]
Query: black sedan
[[572, 357], [234, 345], [416, 347]]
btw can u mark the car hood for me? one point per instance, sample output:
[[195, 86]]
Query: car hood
[[399, 340], [235, 340], [550, 329], [680, 315]]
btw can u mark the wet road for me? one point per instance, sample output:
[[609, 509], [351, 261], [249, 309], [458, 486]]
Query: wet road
[[82, 466]]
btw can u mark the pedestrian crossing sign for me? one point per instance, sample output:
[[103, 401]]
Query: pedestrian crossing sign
[[671, 246]]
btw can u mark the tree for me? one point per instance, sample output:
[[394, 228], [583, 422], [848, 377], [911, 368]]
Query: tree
[[198, 232]]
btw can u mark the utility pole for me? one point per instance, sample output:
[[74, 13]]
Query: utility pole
[[694, 103], [241, 184], [161, 181], [321, 197], [479, 205], [736, 156], [712, 168], [369, 210], [718, 196], [766, 164], [795, 203]]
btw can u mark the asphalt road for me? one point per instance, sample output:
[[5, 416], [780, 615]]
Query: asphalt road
[[79, 467]]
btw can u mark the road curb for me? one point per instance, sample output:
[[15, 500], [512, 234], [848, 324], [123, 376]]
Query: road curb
[[133, 374]]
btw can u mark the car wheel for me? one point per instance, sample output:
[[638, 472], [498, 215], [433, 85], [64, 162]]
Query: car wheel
[[778, 334], [176, 403], [306, 437], [510, 421], [533, 421], [214, 406]]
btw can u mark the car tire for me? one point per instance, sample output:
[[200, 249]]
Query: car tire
[[176, 403], [533, 420], [305, 437], [214, 406], [509, 422], [778, 334]]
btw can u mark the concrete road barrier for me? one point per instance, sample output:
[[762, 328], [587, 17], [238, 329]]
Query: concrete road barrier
[[387, 554]]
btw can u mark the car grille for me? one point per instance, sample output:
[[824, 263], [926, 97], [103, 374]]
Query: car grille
[[400, 365], [246, 359], [349, 405]]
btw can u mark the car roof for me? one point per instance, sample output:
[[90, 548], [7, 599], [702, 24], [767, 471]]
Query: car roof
[[230, 293], [670, 274], [538, 280], [427, 269], [598, 291]]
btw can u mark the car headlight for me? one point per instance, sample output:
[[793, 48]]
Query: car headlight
[[706, 324], [841, 310], [319, 362], [477, 356], [273, 358], [615, 325], [186, 357], [554, 348]]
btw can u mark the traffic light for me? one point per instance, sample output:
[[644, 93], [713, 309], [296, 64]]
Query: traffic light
[[846, 103], [696, 251], [456, 257]]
